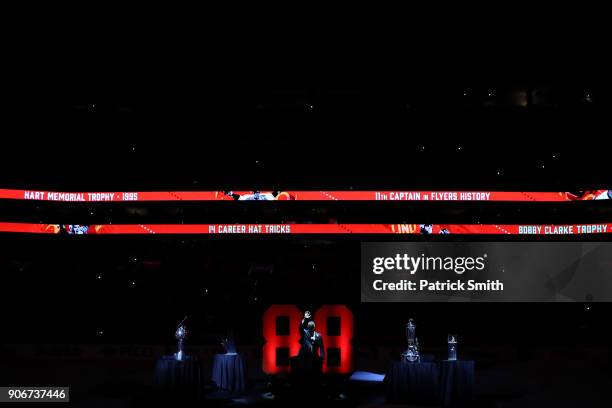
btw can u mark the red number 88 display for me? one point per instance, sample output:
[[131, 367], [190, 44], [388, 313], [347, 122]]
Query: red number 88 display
[[280, 331]]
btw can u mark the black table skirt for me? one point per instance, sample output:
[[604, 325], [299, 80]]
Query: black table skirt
[[456, 382], [179, 379], [229, 372], [412, 383], [430, 383]]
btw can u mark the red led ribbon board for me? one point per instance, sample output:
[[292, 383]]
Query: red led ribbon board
[[323, 229], [332, 195], [29, 228], [280, 331]]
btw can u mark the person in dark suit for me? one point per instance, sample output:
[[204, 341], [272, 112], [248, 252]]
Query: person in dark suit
[[312, 352], [309, 362], [312, 344], [304, 325]]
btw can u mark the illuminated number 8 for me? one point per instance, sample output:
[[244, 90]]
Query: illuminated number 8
[[280, 323]]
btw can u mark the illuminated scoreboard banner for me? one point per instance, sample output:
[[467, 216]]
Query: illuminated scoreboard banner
[[306, 196], [335, 229]]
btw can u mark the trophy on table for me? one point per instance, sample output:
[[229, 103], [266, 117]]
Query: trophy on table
[[181, 335], [229, 344], [452, 347], [411, 354]]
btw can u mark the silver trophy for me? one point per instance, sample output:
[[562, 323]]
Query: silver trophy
[[411, 354], [452, 347], [181, 335]]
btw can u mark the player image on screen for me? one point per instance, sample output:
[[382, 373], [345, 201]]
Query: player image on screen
[[606, 195], [589, 195], [429, 229], [75, 229], [258, 195], [426, 228]]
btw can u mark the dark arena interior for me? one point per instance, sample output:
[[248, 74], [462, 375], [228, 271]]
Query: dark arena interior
[[100, 309]]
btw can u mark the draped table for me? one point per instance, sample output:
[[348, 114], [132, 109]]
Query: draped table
[[229, 372], [179, 379], [415, 383], [430, 383]]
